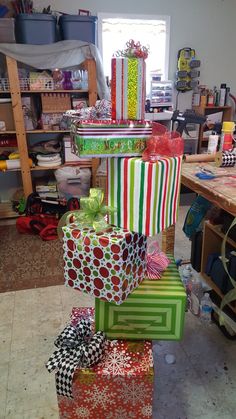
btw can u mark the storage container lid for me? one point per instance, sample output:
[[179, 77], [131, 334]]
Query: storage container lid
[[78, 18], [35, 16]]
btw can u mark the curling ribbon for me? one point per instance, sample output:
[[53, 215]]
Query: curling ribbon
[[133, 50], [157, 261], [76, 348], [231, 295], [90, 214]]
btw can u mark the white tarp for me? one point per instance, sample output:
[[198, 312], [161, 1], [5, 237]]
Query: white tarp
[[63, 54]]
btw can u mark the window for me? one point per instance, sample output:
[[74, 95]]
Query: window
[[153, 31]]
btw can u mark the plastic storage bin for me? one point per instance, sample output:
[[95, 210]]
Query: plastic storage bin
[[82, 28], [35, 28], [73, 181], [7, 30]]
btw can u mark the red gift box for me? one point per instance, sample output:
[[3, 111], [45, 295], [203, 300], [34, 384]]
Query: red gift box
[[120, 386]]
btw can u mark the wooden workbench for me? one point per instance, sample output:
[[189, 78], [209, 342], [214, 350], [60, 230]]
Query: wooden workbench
[[221, 191]]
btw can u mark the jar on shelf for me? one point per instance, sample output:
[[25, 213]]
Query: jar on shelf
[[67, 83], [57, 76]]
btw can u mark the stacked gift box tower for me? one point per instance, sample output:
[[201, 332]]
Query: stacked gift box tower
[[109, 261]]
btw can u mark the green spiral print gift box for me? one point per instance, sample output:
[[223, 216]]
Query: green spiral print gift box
[[154, 310]]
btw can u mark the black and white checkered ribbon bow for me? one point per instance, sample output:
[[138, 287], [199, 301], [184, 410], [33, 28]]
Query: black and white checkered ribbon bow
[[76, 348]]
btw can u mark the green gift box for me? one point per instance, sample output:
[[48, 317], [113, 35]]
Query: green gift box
[[109, 138], [155, 310]]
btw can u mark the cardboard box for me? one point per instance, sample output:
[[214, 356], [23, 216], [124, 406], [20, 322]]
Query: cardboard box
[[7, 30], [6, 114], [69, 156]]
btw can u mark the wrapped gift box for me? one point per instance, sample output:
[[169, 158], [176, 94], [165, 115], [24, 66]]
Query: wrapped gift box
[[120, 386], [108, 264], [110, 137], [155, 310], [128, 88], [146, 195]]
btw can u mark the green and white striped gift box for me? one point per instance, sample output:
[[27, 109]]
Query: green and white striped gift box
[[155, 310], [146, 195]]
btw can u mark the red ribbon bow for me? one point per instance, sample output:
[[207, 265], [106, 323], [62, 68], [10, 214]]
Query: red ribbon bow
[[157, 261], [162, 144]]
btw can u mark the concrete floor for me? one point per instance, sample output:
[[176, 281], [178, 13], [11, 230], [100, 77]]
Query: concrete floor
[[201, 383]]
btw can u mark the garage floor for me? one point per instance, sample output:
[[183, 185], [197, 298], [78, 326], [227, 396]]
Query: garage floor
[[200, 384]]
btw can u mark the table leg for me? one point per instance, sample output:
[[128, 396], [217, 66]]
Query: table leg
[[168, 240]]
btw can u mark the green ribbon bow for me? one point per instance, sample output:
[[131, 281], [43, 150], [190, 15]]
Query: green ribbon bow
[[91, 213], [231, 295]]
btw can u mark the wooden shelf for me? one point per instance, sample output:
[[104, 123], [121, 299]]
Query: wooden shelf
[[212, 285], [38, 131], [207, 111], [56, 91], [212, 241], [15, 93], [6, 210], [217, 229], [2, 92], [85, 165], [217, 107], [45, 131], [7, 132]]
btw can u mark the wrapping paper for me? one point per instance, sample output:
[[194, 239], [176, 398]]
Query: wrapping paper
[[226, 159], [120, 386], [110, 137], [101, 110], [108, 264], [155, 310], [145, 194], [128, 88]]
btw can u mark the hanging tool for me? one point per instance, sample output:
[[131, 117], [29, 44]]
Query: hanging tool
[[187, 117]]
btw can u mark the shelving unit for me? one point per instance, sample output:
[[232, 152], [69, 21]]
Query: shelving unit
[[209, 110], [15, 92], [212, 241]]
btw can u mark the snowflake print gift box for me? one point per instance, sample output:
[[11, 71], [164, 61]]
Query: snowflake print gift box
[[107, 264], [119, 387]]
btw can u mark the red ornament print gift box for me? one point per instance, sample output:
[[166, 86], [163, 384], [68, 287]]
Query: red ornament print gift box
[[108, 264], [119, 387]]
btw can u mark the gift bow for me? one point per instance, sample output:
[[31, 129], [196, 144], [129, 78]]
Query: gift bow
[[133, 50], [157, 261], [91, 212], [76, 348]]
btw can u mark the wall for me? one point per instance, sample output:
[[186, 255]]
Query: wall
[[206, 25]]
